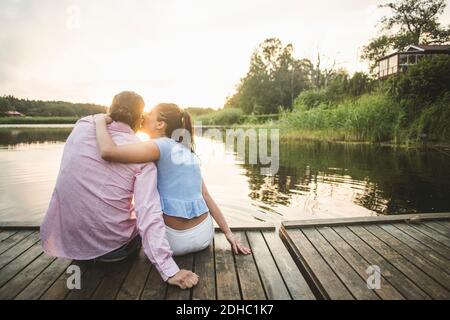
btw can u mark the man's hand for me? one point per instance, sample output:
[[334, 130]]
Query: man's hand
[[185, 279]]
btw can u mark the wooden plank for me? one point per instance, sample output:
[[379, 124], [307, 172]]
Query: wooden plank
[[426, 283], [271, 278], [204, 267], [226, 276], [114, 276], [59, 290], [320, 273], [5, 234], [134, 283], [155, 288], [44, 280], [442, 229], [248, 275], [402, 283], [176, 293], [13, 252], [445, 223], [386, 290], [360, 220], [13, 240], [431, 243], [20, 225], [352, 280], [90, 279], [256, 226], [423, 264], [418, 246], [14, 286], [433, 234], [293, 278], [15, 266]]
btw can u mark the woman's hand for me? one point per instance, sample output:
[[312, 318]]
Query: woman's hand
[[237, 247], [102, 117]]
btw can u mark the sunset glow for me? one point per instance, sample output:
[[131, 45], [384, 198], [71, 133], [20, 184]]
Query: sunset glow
[[189, 52]]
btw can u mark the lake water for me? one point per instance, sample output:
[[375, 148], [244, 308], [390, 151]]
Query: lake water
[[315, 179]]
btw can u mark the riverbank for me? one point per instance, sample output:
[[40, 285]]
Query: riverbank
[[39, 120]]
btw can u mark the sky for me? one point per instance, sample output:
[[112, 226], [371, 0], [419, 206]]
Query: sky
[[191, 52]]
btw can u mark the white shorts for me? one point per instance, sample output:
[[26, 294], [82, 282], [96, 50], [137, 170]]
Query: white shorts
[[191, 240]]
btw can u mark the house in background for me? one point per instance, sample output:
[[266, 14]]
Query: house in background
[[14, 114], [399, 61]]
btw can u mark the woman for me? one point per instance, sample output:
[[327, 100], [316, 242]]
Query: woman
[[186, 204]]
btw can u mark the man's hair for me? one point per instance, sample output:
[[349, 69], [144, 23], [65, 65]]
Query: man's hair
[[127, 107]]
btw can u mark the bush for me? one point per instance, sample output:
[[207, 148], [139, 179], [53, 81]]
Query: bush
[[222, 117], [421, 85]]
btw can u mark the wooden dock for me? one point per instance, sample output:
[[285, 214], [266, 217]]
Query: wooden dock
[[269, 273], [309, 259], [336, 257]]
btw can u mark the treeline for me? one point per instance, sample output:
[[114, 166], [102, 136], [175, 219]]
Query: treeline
[[276, 78], [48, 108]]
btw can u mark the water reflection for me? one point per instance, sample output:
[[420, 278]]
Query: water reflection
[[322, 177], [315, 179]]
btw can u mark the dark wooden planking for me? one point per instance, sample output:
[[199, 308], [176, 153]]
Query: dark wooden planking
[[430, 286], [204, 267], [418, 246], [5, 234], [426, 240], [13, 252], [44, 280], [155, 288], [362, 220], [328, 284], [273, 282], [174, 292], [402, 283], [295, 282], [386, 291], [226, 277], [442, 229], [352, 280], [423, 264], [15, 266], [134, 283], [115, 274], [433, 234], [90, 279], [14, 286], [59, 290], [13, 240], [251, 286]]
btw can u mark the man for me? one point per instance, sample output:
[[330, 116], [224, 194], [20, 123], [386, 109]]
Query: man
[[91, 214]]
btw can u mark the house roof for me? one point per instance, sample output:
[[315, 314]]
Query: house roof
[[434, 47], [437, 48]]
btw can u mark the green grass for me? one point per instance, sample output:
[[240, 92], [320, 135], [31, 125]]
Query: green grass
[[38, 120], [373, 118]]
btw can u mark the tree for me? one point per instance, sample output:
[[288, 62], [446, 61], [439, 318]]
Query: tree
[[415, 22], [274, 79], [5, 106]]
